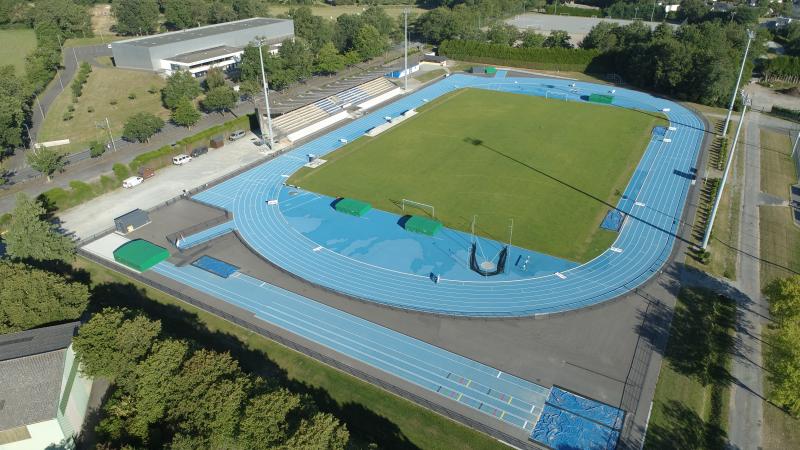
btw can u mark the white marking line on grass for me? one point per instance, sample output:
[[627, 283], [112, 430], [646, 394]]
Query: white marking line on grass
[[561, 275]]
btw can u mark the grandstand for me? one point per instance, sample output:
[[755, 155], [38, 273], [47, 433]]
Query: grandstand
[[325, 112]]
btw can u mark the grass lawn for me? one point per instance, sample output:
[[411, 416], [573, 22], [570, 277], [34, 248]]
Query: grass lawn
[[780, 238], [424, 77], [16, 44], [499, 156], [691, 403], [103, 86], [372, 415]]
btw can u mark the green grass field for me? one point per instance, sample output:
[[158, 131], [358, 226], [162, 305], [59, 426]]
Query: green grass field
[[103, 86], [16, 44], [552, 166]]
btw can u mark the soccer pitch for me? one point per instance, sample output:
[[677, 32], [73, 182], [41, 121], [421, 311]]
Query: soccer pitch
[[547, 164]]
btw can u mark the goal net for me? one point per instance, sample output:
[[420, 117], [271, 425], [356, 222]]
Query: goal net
[[412, 205]]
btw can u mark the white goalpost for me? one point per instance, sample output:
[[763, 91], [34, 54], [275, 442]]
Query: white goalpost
[[406, 201]]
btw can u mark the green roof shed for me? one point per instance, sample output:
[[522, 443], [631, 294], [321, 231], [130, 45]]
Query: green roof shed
[[423, 225], [140, 254], [353, 207]]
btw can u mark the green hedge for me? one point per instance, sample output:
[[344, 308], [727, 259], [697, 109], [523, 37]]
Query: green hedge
[[162, 157], [791, 114], [572, 11], [782, 66], [576, 60]]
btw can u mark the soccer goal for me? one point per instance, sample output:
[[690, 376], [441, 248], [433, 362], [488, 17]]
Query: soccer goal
[[423, 206], [556, 95]]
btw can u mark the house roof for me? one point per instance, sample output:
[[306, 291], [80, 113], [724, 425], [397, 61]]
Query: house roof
[[200, 32], [36, 341], [202, 55], [137, 218]]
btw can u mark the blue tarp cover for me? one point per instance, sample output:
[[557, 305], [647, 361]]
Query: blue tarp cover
[[562, 430], [590, 409], [613, 220], [215, 266]]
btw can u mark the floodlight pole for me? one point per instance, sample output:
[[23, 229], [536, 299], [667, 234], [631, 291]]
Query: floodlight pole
[[266, 96], [110, 136], [707, 235], [405, 53], [750, 36]]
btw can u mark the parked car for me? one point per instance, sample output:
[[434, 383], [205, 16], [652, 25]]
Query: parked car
[[181, 159], [132, 182], [238, 134], [199, 151]]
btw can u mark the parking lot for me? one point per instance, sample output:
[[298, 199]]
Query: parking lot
[[98, 215]]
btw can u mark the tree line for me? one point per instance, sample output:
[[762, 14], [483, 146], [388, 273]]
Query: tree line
[[783, 352]]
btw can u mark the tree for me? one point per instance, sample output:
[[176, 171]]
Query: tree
[[501, 33], [29, 236], [69, 18], [207, 397], [784, 298], [142, 126], [602, 37], [693, 11], [558, 39], [220, 12], [180, 85], [180, 14], [214, 78], [321, 431], [46, 161], [265, 418], [220, 99], [185, 114], [793, 38], [30, 297], [13, 109], [369, 43], [531, 39], [314, 29], [296, 54], [135, 17], [113, 342], [246, 9], [783, 366], [328, 61]]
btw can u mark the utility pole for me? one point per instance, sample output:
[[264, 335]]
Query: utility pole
[[750, 36], [110, 136], [653, 12], [266, 97], [405, 54], [707, 235]]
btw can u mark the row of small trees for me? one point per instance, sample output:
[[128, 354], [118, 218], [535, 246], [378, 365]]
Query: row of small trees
[[783, 352]]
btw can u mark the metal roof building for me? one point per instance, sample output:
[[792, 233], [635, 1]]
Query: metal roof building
[[198, 49]]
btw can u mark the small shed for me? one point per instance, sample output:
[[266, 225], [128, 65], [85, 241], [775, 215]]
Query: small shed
[[353, 207], [477, 69], [423, 225], [491, 70], [140, 254], [435, 59], [131, 221]]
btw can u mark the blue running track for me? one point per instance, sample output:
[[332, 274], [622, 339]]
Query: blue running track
[[653, 201], [510, 399]]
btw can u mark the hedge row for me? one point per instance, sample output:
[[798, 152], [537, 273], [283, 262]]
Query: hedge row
[[782, 66], [576, 60], [791, 114], [572, 11], [79, 192]]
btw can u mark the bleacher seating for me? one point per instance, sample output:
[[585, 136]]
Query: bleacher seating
[[308, 115]]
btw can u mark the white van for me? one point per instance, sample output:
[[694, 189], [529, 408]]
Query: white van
[[131, 182], [181, 159]]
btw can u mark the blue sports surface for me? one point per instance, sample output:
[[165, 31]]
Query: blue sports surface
[[215, 266], [653, 202]]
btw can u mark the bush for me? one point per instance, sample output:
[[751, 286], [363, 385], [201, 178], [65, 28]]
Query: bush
[[81, 192], [121, 171], [106, 184], [55, 199], [67, 116], [152, 90], [71, 108], [131, 96], [112, 102], [96, 148], [791, 114], [5, 219], [90, 109]]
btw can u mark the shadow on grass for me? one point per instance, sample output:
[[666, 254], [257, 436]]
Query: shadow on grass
[[685, 430], [366, 427]]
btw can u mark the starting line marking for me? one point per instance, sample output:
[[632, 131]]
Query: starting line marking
[[638, 204], [561, 275], [318, 249], [616, 249]]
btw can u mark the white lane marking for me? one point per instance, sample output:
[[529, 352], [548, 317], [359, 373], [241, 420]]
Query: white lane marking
[[561, 275], [318, 248], [616, 249]]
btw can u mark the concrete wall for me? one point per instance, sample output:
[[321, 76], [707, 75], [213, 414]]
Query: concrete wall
[[127, 54]]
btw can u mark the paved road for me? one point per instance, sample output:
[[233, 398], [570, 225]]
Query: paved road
[[747, 390]]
